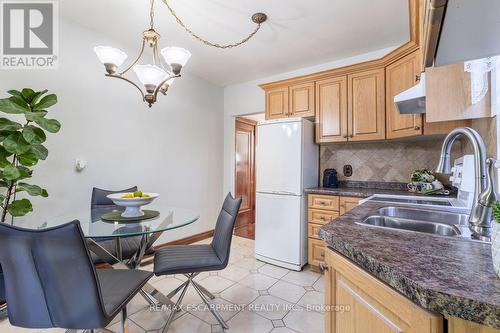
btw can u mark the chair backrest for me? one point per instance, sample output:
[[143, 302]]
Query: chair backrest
[[49, 278], [224, 227], [99, 198]]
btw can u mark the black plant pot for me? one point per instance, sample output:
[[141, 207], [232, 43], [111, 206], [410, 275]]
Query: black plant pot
[[3, 308]]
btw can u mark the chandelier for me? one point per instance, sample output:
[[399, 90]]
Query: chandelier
[[157, 76]]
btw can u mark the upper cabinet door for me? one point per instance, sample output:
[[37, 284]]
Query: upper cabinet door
[[277, 103], [331, 106], [302, 100], [366, 105], [400, 76]]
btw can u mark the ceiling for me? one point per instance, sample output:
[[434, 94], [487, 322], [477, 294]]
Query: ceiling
[[297, 34]]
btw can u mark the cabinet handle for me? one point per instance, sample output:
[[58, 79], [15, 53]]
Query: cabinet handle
[[323, 267], [345, 136], [322, 255], [351, 135], [417, 78], [322, 203], [322, 218], [417, 128]]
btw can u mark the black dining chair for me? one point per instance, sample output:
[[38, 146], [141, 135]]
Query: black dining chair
[[50, 280], [191, 260], [129, 245]]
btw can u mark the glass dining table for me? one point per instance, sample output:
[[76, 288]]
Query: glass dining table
[[95, 229]]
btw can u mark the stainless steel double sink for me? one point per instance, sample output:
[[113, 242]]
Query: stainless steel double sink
[[436, 222]]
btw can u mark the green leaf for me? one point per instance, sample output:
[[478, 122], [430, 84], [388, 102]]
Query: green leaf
[[14, 93], [25, 172], [20, 207], [8, 125], [50, 125], [4, 135], [32, 116], [3, 152], [16, 144], [10, 172], [28, 159], [33, 190], [27, 94], [37, 96], [34, 135], [10, 105], [46, 102], [40, 151]]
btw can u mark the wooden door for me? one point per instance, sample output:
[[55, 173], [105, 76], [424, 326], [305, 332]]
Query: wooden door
[[366, 105], [369, 305], [331, 105], [245, 170], [347, 203], [302, 100], [402, 75], [277, 103]]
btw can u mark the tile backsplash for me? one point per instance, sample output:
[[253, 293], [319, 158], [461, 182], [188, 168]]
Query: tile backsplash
[[383, 161]]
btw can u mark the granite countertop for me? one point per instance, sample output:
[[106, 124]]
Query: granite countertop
[[454, 277], [364, 189]]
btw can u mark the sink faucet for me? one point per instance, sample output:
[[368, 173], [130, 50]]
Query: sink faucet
[[484, 191]]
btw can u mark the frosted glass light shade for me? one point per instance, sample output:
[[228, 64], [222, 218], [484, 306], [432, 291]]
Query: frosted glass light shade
[[110, 55], [176, 57], [150, 75]]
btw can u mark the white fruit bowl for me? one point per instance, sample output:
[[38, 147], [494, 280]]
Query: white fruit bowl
[[132, 205]]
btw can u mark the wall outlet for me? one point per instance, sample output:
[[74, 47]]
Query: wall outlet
[[348, 170]]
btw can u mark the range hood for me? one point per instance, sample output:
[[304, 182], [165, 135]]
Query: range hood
[[412, 100], [469, 31]]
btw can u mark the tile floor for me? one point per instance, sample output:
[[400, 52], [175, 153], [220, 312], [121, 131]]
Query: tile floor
[[252, 296]]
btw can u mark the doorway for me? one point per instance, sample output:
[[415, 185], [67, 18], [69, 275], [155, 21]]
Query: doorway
[[244, 178]]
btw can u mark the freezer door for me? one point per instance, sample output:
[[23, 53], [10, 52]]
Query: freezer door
[[278, 157], [278, 228]]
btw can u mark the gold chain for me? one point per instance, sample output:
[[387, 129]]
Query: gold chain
[[204, 41], [152, 14]]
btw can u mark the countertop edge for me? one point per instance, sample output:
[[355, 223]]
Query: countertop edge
[[431, 300]]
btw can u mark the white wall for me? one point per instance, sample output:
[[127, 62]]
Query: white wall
[[248, 98], [174, 148]]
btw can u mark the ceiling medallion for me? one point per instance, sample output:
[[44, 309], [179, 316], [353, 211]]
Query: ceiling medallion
[[158, 75]]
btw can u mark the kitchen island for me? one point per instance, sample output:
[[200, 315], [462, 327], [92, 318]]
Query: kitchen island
[[443, 276]]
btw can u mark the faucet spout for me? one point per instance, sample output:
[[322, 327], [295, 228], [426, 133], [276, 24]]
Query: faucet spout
[[484, 192]]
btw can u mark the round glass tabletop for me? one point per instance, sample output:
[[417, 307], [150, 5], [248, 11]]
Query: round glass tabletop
[[94, 227]]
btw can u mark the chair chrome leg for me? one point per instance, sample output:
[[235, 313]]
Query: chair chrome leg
[[175, 309], [207, 302], [124, 320], [176, 290], [203, 290]]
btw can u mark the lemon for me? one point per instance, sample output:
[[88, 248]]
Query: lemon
[[127, 195], [137, 194]]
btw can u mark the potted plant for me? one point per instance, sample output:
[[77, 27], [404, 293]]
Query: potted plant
[[495, 238], [21, 148]]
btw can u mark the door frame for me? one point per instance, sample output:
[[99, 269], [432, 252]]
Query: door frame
[[252, 156]]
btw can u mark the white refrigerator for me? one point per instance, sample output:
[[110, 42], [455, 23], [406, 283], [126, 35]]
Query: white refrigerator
[[287, 162]]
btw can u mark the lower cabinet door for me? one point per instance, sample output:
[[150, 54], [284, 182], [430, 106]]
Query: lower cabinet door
[[359, 303]]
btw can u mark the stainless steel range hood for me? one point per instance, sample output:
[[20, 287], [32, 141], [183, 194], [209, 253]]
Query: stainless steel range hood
[[469, 31], [412, 100]]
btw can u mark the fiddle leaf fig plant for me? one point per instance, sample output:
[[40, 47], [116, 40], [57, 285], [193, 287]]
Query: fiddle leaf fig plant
[[21, 147]]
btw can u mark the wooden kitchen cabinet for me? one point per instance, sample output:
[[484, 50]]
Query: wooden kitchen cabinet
[[322, 209], [366, 105], [347, 203], [331, 105], [369, 305], [277, 103], [401, 75], [302, 100]]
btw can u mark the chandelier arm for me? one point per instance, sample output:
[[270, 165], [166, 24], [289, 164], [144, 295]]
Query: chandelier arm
[[162, 83], [136, 60], [129, 81], [206, 42]]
